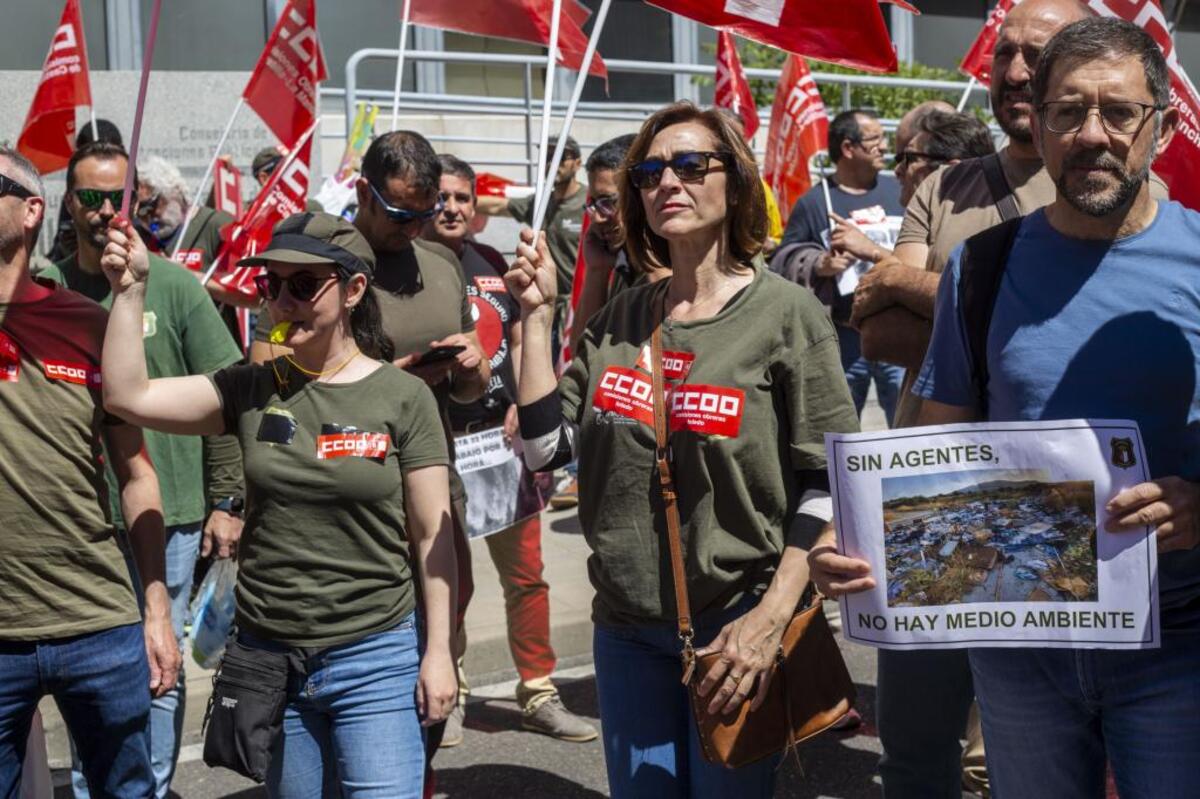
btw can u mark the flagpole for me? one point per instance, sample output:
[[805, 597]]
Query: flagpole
[[135, 138], [194, 205], [287, 161], [544, 203], [966, 95], [404, 17], [92, 114], [547, 100]]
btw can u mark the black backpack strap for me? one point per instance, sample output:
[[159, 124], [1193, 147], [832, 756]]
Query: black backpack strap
[[981, 270], [1002, 194]]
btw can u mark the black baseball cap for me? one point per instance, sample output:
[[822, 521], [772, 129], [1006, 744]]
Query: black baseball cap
[[570, 149], [316, 238], [268, 158]]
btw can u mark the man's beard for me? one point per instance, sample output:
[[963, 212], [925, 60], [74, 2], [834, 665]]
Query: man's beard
[[1096, 199], [1019, 128]]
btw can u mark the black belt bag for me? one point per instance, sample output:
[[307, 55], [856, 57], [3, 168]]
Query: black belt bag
[[245, 712]]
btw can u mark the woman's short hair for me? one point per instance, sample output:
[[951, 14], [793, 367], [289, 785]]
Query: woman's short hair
[[745, 199]]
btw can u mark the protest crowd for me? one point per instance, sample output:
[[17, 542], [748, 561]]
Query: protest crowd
[[300, 387]]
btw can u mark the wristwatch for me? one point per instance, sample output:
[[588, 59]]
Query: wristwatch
[[232, 505]]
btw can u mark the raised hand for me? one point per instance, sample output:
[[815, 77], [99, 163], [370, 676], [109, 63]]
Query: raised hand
[[125, 261], [532, 279]]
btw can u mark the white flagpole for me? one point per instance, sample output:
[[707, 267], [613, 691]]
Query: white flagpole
[[543, 202], [966, 95], [403, 48], [547, 100], [92, 115], [212, 164]]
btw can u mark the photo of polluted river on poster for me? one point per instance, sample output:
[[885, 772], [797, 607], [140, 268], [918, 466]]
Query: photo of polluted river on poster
[[994, 535]]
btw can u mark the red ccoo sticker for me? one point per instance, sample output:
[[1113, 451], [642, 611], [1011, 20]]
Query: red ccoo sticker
[[192, 259], [10, 359], [352, 445], [78, 373], [490, 284], [708, 410], [676, 365], [626, 392]]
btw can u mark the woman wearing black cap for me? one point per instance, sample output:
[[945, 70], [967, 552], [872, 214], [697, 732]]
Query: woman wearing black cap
[[345, 466]]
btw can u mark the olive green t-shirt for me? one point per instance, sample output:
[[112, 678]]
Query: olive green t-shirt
[[61, 570], [756, 387], [201, 240], [324, 556], [563, 226], [183, 335]]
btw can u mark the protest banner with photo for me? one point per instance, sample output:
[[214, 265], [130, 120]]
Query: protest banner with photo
[[500, 492], [992, 535]]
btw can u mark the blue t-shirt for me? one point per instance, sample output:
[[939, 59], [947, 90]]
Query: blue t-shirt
[[1091, 329]]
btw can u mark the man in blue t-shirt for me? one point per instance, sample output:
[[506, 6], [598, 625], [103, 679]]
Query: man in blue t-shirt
[[1097, 315], [839, 230]]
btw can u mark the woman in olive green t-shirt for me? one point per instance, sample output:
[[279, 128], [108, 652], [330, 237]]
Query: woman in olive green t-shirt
[[346, 469], [754, 381]]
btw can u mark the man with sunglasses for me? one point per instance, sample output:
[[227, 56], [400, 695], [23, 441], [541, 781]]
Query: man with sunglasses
[[162, 210], [857, 199], [69, 620], [201, 479], [1094, 315], [516, 552]]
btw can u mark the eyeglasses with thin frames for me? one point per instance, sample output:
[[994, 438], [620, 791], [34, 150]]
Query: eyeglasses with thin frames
[[604, 206], [1124, 118]]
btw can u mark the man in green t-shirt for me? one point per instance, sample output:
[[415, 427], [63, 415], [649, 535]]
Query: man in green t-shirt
[[183, 335], [69, 621]]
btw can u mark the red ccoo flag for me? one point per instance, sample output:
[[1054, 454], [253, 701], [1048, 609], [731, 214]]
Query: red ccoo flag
[[523, 20], [732, 90], [848, 32], [799, 130], [227, 188], [48, 136], [978, 61], [283, 88]]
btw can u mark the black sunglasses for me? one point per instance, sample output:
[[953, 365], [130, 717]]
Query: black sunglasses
[[303, 286], [93, 199], [402, 215], [10, 188], [909, 156], [688, 167]]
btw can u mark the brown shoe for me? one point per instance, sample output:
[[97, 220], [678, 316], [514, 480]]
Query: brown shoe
[[566, 498]]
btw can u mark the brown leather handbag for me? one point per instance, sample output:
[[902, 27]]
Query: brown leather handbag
[[810, 688]]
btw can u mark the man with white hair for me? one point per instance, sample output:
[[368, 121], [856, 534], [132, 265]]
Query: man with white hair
[[162, 209]]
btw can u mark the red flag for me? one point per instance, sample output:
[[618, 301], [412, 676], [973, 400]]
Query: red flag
[[48, 136], [848, 32], [227, 188], [978, 61], [523, 20], [565, 355], [283, 88], [732, 89], [799, 130], [284, 194]]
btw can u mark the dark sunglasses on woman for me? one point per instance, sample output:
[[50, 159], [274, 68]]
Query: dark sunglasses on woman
[[688, 167], [302, 286], [93, 199], [403, 216], [10, 188]]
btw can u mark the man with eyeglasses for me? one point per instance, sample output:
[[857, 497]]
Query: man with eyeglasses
[[1094, 315], [70, 626], [200, 478], [818, 248], [516, 552]]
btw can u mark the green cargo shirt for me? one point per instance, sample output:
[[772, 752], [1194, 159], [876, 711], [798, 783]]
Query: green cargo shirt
[[324, 556], [61, 570], [183, 335], [753, 390]]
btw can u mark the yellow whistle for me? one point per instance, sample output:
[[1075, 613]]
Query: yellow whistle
[[279, 332]]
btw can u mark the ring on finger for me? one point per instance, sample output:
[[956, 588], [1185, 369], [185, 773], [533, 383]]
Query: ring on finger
[[735, 677]]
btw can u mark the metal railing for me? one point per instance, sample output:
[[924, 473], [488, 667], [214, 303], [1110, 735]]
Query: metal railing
[[524, 105]]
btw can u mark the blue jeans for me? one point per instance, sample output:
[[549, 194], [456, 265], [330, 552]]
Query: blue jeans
[[650, 743], [921, 705], [166, 711], [860, 372], [353, 720], [1052, 717], [101, 683]]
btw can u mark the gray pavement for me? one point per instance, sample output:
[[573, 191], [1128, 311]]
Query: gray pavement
[[497, 759]]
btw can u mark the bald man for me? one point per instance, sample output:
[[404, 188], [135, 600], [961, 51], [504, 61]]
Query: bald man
[[907, 128], [924, 697]]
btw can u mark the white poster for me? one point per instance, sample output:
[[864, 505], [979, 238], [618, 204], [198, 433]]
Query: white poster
[[992, 534], [500, 492]]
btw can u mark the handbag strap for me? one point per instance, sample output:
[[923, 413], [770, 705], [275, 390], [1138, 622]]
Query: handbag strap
[[662, 456]]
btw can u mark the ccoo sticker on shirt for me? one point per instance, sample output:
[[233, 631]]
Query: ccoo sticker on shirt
[[704, 410], [490, 283], [337, 441], [10, 359], [79, 373], [676, 365], [625, 392]]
